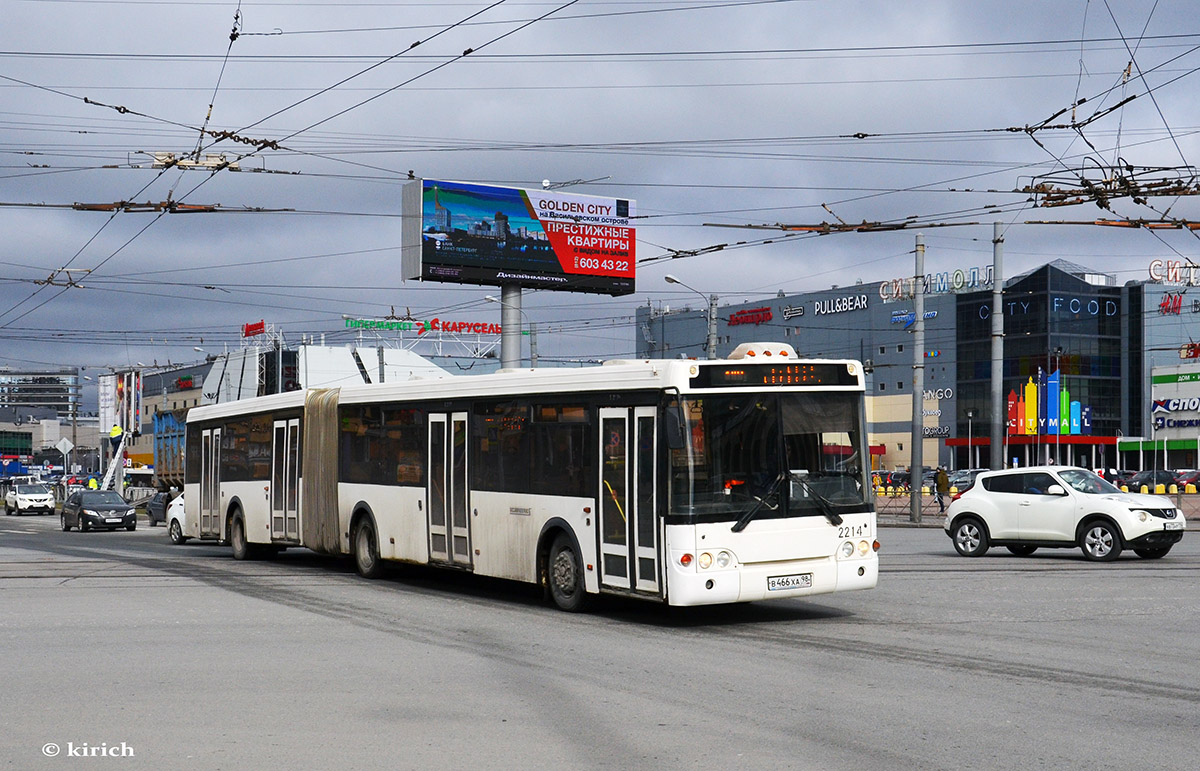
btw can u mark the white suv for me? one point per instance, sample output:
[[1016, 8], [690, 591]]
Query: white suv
[[1060, 506], [34, 499]]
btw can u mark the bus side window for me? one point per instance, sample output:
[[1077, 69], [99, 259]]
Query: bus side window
[[504, 452]]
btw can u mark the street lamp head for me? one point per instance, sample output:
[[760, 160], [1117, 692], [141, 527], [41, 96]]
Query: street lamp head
[[671, 279], [197, 349], [491, 298]]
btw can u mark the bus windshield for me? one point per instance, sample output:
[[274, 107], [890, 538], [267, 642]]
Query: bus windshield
[[770, 455]]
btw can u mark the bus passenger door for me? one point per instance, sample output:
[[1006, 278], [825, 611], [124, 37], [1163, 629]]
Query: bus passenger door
[[210, 483], [645, 524], [285, 480], [628, 530], [446, 494]]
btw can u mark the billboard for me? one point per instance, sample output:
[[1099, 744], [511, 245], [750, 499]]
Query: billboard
[[120, 401], [543, 239]]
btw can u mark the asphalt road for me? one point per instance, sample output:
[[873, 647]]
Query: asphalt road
[[121, 643]]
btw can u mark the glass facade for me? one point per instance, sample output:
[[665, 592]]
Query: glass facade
[[1054, 322]]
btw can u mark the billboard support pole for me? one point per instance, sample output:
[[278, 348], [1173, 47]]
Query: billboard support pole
[[510, 326]]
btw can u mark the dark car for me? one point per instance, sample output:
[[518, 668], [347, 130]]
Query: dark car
[[1188, 477], [87, 509], [156, 508], [1150, 478]]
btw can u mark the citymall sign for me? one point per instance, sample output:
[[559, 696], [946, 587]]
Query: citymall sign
[[1044, 406], [545, 239]]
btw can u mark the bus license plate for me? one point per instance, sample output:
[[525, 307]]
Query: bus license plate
[[796, 581], [1173, 526]]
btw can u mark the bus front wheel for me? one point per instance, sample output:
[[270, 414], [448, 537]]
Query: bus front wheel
[[564, 572]]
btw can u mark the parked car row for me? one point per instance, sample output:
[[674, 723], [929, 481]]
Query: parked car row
[[1150, 478], [1133, 480]]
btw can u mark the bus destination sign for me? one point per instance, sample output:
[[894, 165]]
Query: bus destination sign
[[818, 374]]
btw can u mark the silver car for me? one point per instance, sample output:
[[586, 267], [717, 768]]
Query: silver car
[[1024, 509]]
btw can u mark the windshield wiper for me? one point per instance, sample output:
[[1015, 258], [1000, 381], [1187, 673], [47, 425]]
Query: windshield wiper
[[821, 502], [740, 525]]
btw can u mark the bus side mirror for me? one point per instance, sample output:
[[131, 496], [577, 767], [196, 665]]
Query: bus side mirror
[[673, 427]]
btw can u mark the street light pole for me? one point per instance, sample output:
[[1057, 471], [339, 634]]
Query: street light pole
[[1058, 407], [970, 417], [710, 347]]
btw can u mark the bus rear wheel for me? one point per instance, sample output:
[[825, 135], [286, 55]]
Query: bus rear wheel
[[564, 573], [366, 550], [237, 540]]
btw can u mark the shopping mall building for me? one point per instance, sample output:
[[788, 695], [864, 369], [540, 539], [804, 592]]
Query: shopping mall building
[[1079, 359]]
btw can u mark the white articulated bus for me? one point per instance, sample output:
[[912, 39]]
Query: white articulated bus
[[688, 482]]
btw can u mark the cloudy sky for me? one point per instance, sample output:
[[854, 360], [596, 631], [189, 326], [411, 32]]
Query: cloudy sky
[[709, 113]]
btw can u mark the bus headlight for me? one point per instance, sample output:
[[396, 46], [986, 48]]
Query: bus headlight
[[705, 561], [848, 549], [723, 559], [863, 548]]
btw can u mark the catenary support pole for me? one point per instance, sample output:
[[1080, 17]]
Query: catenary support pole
[[999, 414], [917, 467]]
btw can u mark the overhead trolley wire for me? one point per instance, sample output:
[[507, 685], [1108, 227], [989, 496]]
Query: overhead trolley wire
[[233, 35]]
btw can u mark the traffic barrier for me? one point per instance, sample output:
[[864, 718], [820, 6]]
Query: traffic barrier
[[1190, 488], [1160, 489], [1173, 489]]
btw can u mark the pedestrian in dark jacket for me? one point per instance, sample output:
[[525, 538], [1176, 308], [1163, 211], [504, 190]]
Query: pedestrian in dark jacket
[[942, 485]]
